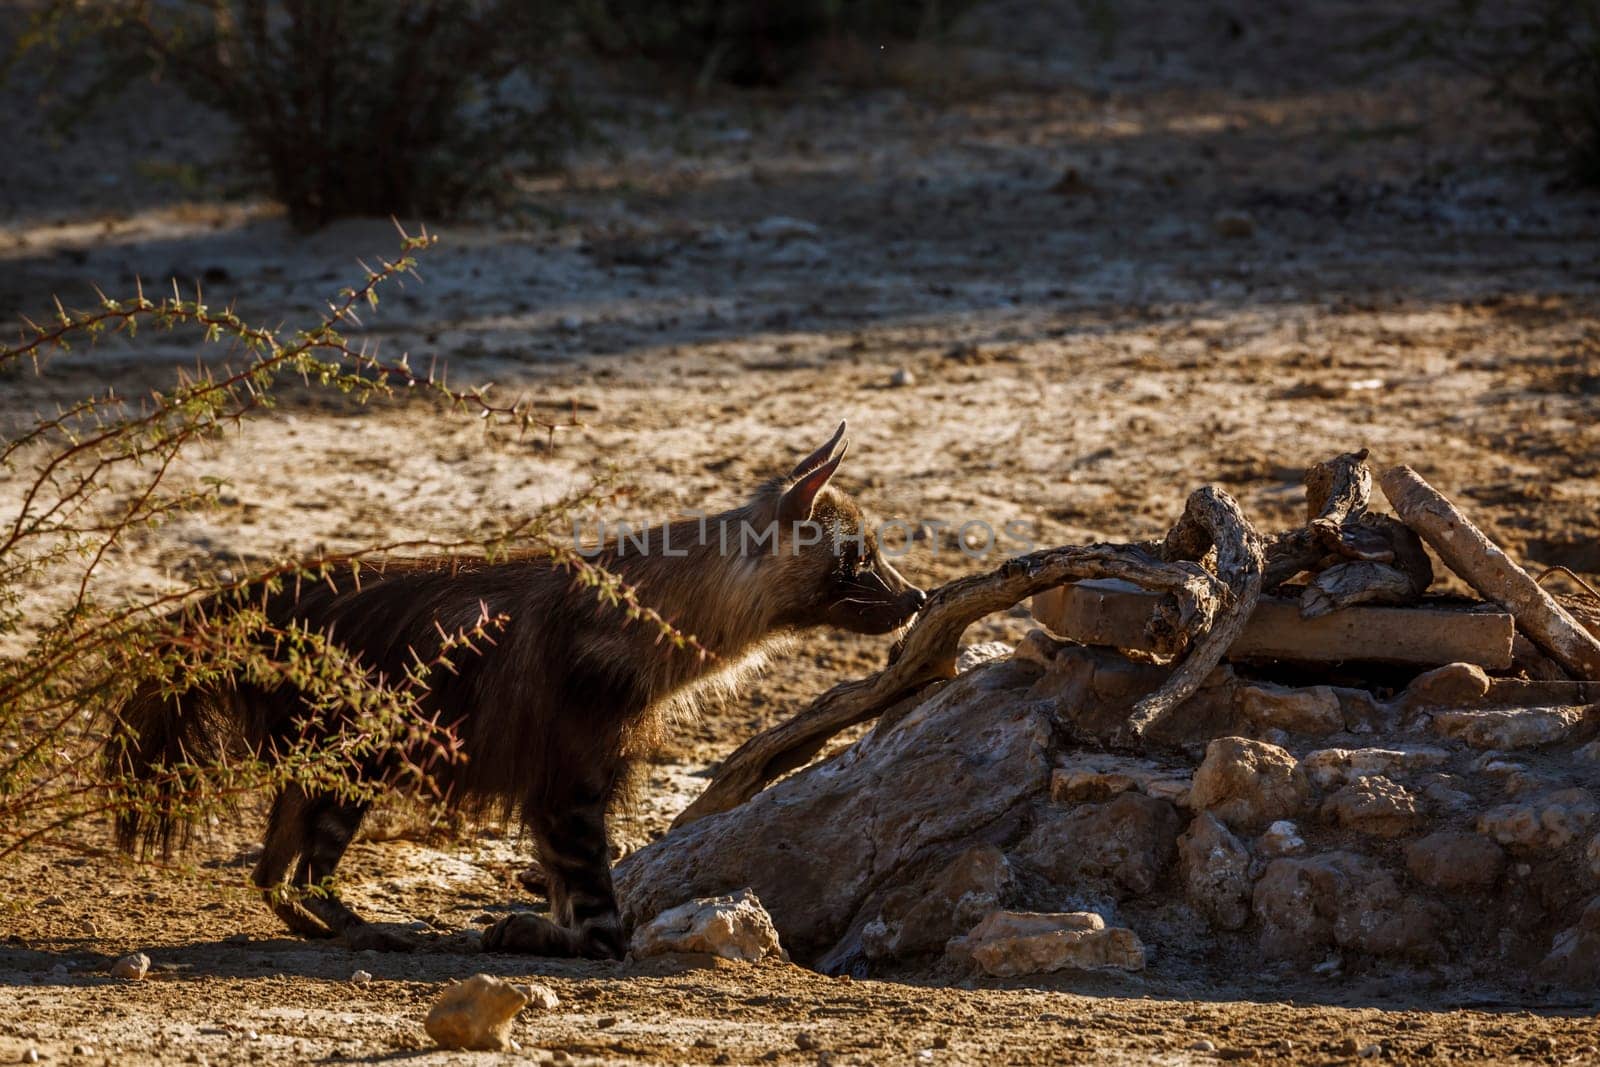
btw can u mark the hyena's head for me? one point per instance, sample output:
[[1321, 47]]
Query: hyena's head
[[827, 567]]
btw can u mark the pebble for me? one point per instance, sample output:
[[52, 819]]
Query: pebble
[[361, 977], [1370, 1052], [1233, 224], [30, 1055], [806, 1041], [901, 378], [1203, 1046], [133, 967]]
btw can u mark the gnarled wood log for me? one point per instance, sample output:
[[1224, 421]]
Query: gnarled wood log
[[1211, 519], [1467, 551], [1357, 557]]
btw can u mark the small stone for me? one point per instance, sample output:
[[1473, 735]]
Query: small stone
[[83, 1050], [1282, 838], [902, 378], [132, 967], [1452, 861], [1507, 729], [1454, 685], [1331, 767], [806, 1041], [1015, 943], [1202, 1046], [605, 1022], [30, 1055], [734, 927], [1551, 822], [540, 996], [1370, 1052], [1233, 225], [1373, 805], [475, 1013], [361, 977], [1069, 786], [985, 652], [1216, 872], [1248, 784], [1313, 710]]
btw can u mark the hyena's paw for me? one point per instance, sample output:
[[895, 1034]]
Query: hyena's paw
[[531, 935], [361, 936]]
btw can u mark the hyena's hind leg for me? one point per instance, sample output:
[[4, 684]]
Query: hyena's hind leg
[[328, 825], [575, 849], [282, 846]]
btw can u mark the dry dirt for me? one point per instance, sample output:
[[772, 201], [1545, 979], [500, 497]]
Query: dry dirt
[[1049, 243]]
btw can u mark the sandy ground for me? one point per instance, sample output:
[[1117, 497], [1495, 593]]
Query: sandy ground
[[1212, 258]]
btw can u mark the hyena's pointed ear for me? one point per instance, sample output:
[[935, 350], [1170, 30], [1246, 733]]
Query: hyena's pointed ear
[[821, 455], [796, 503]]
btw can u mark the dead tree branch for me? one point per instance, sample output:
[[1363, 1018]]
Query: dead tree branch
[[928, 653], [1211, 519]]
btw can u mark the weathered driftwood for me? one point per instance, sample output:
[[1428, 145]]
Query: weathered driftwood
[[1211, 519], [1478, 560], [1358, 557], [1337, 492], [1112, 614], [1199, 604]]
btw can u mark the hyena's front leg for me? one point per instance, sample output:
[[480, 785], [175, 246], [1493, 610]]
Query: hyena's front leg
[[576, 852]]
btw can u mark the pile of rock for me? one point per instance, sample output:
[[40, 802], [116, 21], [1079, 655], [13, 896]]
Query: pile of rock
[[1006, 822], [1465, 834]]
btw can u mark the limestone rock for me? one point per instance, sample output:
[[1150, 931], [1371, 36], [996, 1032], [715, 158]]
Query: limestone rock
[[1507, 728], [734, 927], [1101, 776], [1332, 767], [1311, 710], [816, 847], [1455, 862], [1339, 899], [1455, 685], [1551, 822], [1074, 785], [132, 967], [1216, 872], [475, 1013], [977, 655], [923, 917], [1373, 805], [1012, 943], [1282, 838], [1129, 840], [1248, 784], [1574, 957]]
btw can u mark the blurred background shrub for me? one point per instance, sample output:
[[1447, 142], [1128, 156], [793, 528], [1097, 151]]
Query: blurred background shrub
[[360, 107]]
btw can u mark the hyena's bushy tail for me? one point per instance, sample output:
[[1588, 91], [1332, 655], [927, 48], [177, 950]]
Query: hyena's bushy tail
[[158, 743]]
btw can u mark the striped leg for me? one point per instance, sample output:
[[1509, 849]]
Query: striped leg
[[329, 825], [575, 848], [280, 849]]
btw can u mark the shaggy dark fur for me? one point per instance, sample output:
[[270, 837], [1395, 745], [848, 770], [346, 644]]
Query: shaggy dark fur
[[553, 713]]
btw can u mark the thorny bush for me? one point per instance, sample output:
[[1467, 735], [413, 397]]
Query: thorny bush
[[77, 484]]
